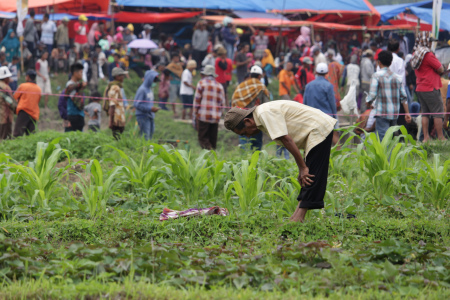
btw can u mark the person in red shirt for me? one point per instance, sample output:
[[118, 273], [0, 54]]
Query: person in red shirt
[[428, 70], [305, 75], [81, 31], [224, 67]]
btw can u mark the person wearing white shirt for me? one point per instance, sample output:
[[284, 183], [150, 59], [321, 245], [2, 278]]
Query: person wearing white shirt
[[92, 72], [187, 89], [48, 29]]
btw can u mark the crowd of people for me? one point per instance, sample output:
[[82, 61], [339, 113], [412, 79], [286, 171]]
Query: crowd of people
[[384, 73]]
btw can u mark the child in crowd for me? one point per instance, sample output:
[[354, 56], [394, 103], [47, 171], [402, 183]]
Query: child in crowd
[[72, 55], [14, 73], [94, 111], [164, 86], [43, 76], [187, 89]]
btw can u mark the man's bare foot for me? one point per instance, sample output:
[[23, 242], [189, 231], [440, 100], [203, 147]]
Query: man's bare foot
[[425, 140], [442, 139], [299, 215]]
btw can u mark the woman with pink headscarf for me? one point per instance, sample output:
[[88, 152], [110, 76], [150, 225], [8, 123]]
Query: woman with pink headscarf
[[93, 36]]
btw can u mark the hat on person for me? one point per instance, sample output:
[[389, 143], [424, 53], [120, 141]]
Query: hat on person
[[227, 20], [191, 64], [148, 27], [368, 52], [256, 70], [82, 18], [221, 51], [4, 72], [118, 71], [307, 60], [258, 63], [209, 70], [31, 73], [322, 68], [235, 116], [130, 27], [119, 29], [65, 19], [367, 35], [217, 25], [239, 31], [331, 52]]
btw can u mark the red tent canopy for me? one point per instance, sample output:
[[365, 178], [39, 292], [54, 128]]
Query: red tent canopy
[[92, 6], [10, 5], [131, 17]]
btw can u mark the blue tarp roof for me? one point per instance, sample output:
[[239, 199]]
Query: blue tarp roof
[[389, 11], [247, 5], [252, 14], [426, 14], [253, 5]]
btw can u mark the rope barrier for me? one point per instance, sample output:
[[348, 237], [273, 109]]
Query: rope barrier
[[222, 107]]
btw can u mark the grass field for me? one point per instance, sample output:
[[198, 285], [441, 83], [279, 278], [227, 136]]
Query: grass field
[[80, 219]]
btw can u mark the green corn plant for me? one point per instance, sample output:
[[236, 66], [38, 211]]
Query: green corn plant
[[220, 174], [288, 191], [434, 182], [96, 188], [39, 179], [249, 183], [190, 175], [384, 161], [142, 174]]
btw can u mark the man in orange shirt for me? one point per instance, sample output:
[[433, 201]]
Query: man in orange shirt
[[28, 95], [287, 80]]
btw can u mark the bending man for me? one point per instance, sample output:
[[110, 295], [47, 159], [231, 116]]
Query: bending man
[[295, 126]]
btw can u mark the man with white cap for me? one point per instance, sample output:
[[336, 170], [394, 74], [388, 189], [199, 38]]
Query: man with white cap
[[250, 93], [146, 34], [294, 126], [7, 104], [208, 104], [319, 94]]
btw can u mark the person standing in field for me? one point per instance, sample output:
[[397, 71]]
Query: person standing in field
[[250, 93], [428, 83], [319, 94], [367, 70], [75, 99], [187, 89], [81, 31], [242, 62], [200, 42], [176, 69], [223, 67], [145, 108], [62, 35], [28, 96], [208, 104], [286, 81], [334, 75], [294, 126], [48, 29], [7, 104], [388, 91], [43, 76], [94, 111], [116, 109]]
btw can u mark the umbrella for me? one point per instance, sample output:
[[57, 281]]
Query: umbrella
[[142, 44]]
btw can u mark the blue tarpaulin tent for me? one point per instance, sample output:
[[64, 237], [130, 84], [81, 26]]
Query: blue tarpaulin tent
[[389, 11], [426, 14], [248, 5]]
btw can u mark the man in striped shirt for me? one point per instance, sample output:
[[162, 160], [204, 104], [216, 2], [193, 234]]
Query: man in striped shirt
[[388, 91], [208, 104]]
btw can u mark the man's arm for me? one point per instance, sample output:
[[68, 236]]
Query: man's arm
[[404, 100], [332, 100], [304, 178], [373, 90]]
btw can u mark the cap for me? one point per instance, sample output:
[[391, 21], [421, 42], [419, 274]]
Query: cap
[[322, 68], [118, 71], [227, 20], [148, 27], [239, 31], [130, 27], [31, 73], [307, 60], [235, 116], [82, 18], [367, 35], [368, 52], [4, 72], [209, 70], [65, 19], [331, 52], [119, 28], [191, 64], [256, 70]]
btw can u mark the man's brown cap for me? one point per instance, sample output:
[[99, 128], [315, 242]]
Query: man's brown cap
[[235, 115]]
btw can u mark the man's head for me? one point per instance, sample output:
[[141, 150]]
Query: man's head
[[256, 72], [5, 74], [261, 32], [118, 74], [95, 97], [46, 17], [245, 48], [98, 49], [322, 69], [65, 21], [373, 47], [384, 59], [44, 55], [32, 13], [15, 60], [330, 54], [175, 56], [289, 66], [393, 46], [30, 76], [221, 52], [316, 51], [116, 57], [241, 121], [367, 37], [368, 53], [83, 19], [77, 71], [354, 37], [191, 65], [148, 28]]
